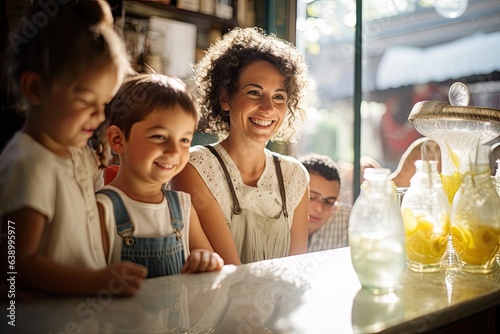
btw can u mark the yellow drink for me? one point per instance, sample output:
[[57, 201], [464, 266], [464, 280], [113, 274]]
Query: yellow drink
[[425, 241], [476, 244], [451, 184]]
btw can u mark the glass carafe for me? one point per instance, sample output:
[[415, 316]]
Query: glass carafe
[[426, 214], [475, 220], [376, 234]]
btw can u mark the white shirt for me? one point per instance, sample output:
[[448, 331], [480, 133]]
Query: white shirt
[[149, 220], [265, 198], [61, 189]]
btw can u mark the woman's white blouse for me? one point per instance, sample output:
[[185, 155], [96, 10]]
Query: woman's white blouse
[[265, 198]]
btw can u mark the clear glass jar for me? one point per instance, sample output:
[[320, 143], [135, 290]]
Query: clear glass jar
[[426, 218], [475, 220], [376, 234]]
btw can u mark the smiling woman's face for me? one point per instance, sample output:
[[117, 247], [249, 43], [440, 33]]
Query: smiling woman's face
[[258, 107]]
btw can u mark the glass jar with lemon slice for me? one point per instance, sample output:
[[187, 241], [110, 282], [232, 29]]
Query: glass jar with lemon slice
[[426, 213], [475, 220]]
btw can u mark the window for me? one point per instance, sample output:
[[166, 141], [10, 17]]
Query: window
[[412, 50]]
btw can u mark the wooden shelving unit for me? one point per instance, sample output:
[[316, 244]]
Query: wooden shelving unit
[[201, 20]]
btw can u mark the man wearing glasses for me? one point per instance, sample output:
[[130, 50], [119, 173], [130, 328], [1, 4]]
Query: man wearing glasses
[[328, 219]]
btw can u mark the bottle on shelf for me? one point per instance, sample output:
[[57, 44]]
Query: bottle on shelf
[[150, 58]]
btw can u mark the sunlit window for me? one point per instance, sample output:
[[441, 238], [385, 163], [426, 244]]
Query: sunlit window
[[413, 50]]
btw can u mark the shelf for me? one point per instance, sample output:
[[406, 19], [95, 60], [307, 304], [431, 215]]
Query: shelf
[[202, 21]]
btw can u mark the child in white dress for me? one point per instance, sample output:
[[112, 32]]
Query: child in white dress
[[66, 71]]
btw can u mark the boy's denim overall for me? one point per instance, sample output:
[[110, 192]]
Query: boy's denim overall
[[163, 255]]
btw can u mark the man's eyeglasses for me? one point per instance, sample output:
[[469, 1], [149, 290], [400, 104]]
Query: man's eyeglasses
[[326, 202]]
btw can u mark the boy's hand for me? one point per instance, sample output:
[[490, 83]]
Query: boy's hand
[[122, 279], [202, 260]]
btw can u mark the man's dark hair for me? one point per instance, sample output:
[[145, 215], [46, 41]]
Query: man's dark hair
[[321, 165]]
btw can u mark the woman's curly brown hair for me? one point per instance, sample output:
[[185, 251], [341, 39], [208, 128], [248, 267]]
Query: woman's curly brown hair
[[219, 70]]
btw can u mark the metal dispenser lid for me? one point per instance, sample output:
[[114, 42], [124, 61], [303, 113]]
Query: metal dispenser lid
[[441, 110], [458, 109]]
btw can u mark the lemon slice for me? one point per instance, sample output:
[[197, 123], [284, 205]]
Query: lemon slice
[[437, 247], [486, 237], [476, 256], [409, 221], [417, 247], [426, 226], [462, 238]]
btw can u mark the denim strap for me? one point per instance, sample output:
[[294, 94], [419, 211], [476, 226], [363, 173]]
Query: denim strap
[[124, 226], [175, 211]]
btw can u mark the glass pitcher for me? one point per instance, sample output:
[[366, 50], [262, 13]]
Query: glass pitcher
[[426, 214], [475, 220], [376, 234]]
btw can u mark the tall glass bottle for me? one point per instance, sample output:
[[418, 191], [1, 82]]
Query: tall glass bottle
[[426, 214], [376, 234], [475, 219]]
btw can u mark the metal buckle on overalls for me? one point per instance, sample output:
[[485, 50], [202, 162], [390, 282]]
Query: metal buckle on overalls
[[129, 241]]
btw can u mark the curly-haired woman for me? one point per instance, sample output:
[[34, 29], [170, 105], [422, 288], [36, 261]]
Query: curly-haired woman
[[250, 90]]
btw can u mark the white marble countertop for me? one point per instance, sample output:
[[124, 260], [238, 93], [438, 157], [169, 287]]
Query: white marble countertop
[[311, 293]]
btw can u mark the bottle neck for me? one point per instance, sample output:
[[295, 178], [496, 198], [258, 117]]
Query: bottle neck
[[479, 169], [376, 186], [479, 174]]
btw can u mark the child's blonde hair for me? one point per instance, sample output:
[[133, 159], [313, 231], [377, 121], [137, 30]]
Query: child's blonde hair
[[63, 40], [60, 41]]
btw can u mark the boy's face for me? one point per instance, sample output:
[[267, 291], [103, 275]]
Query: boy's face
[[158, 146], [322, 196]]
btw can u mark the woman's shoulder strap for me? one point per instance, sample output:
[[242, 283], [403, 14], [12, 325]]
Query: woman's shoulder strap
[[236, 203]]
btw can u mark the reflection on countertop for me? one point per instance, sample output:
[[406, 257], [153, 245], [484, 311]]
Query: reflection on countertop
[[310, 293]]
